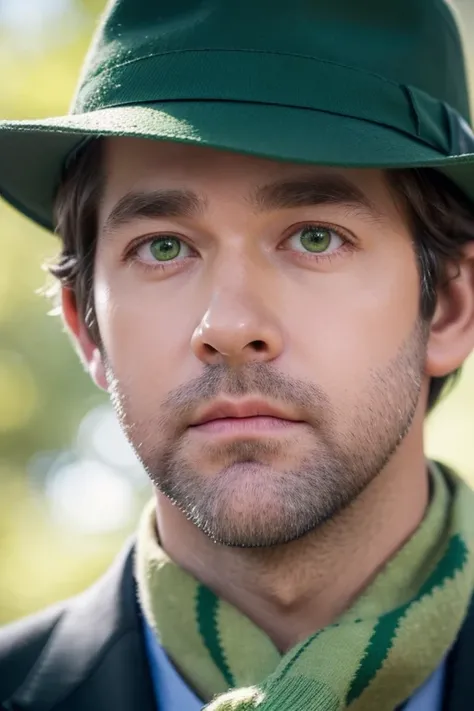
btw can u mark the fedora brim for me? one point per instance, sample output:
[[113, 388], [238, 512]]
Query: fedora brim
[[33, 153]]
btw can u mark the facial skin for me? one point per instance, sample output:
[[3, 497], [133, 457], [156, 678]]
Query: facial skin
[[248, 313], [245, 311]]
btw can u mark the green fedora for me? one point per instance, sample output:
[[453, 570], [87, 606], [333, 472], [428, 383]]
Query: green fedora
[[355, 83]]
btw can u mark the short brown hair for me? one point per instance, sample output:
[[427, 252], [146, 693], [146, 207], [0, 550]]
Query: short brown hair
[[441, 218]]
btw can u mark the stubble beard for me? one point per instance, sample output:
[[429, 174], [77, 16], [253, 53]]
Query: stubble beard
[[248, 503]]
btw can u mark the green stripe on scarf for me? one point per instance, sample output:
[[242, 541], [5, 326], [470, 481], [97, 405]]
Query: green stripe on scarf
[[207, 605], [373, 657], [385, 630]]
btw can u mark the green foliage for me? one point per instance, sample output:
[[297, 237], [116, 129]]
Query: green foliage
[[44, 390]]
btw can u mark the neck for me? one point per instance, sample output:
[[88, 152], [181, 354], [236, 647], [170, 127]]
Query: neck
[[293, 590]]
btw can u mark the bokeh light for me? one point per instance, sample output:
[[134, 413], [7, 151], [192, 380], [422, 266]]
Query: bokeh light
[[90, 497]]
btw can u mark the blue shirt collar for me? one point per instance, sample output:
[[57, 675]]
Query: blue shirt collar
[[171, 691]]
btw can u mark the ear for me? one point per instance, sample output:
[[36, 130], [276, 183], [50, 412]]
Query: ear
[[88, 352], [451, 337]]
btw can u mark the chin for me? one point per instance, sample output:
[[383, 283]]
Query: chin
[[252, 513], [256, 533]]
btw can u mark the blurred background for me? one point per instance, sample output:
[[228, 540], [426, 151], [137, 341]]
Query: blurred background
[[71, 489]]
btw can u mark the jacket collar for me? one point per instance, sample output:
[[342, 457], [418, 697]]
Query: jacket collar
[[459, 685], [95, 657]]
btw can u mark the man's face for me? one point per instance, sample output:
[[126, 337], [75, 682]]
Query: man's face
[[260, 330]]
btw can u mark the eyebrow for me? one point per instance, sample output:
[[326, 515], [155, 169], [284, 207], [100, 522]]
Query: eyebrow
[[306, 191], [153, 205]]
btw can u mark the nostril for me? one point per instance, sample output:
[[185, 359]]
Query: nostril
[[259, 346], [210, 350]]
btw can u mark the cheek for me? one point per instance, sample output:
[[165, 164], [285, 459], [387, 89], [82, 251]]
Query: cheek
[[146, 337], [357, 320]]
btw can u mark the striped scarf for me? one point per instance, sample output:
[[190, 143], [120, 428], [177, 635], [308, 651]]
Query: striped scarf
[[373, 657]]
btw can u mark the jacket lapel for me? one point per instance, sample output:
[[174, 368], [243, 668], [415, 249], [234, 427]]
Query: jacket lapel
[[95, 658], [459, 686]]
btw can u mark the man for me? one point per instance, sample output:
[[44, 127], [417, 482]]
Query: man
[[267, 259]]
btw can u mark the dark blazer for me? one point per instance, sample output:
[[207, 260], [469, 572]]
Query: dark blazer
[[88, 654]]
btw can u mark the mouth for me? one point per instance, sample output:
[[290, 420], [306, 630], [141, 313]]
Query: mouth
[[245, 418]]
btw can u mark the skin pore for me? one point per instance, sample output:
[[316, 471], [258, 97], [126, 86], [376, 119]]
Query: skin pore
[[228, 280]]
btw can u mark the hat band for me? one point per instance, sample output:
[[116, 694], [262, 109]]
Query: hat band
[[269, 78]]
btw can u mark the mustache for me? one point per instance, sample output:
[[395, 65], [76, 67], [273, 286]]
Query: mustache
[[255, 379]]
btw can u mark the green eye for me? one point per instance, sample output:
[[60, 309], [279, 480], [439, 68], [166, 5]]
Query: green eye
[[316, 239], [163, 249]]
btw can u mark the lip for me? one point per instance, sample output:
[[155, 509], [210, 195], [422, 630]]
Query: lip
[[256, 413], [258, 426]]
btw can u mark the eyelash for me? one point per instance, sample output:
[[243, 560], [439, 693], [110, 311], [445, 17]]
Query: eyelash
[[348, 245]]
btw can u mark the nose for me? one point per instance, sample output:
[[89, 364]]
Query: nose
[[239, 327]]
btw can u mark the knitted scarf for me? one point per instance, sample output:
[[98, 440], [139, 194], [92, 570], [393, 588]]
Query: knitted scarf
[[373, 657]]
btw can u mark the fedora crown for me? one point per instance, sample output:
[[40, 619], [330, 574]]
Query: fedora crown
[[143, 47]]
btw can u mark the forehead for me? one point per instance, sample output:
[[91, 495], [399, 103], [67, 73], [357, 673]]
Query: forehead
[[138, 164]]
